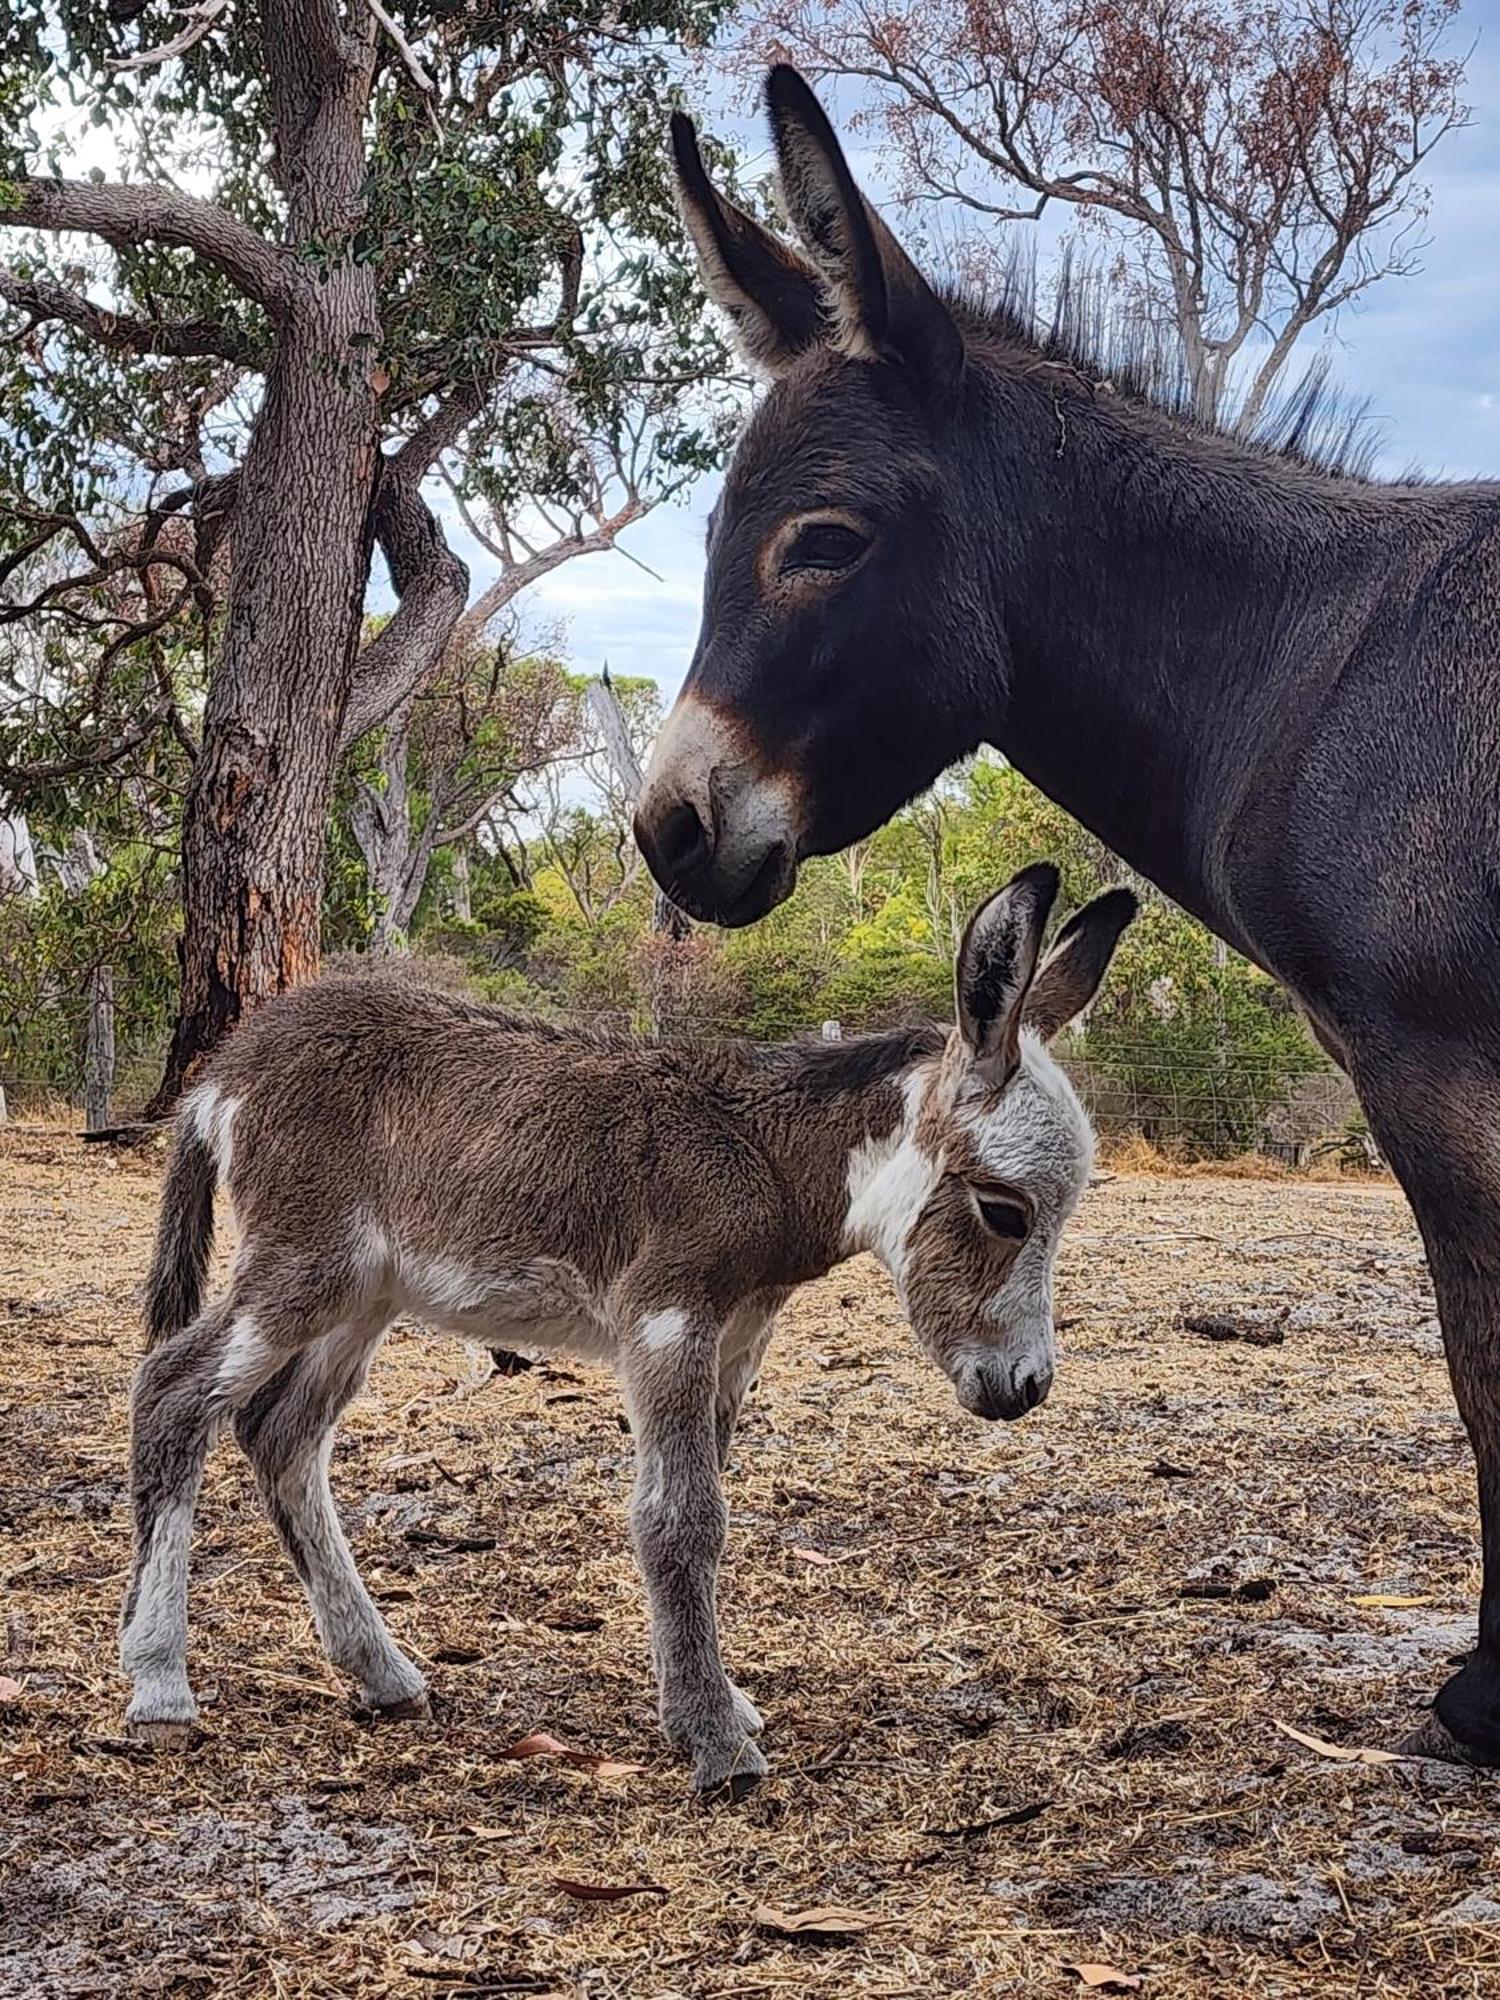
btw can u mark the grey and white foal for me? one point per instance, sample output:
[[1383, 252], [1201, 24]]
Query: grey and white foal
[[390, 1150]]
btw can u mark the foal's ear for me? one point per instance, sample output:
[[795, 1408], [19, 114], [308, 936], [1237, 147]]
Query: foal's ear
[[884, 307], [773, 297], [996, 962], [1078, 960]]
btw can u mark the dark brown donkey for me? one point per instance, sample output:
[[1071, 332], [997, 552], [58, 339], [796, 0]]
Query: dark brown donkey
[[1274, 690]]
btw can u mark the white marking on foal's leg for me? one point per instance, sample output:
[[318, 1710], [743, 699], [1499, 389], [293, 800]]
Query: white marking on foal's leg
[[662, 1331], [153, 1646], [290, 1447], [181, 1391], [246, 1361]]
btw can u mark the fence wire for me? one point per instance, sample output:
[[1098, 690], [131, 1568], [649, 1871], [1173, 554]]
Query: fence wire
[[1211, 1103]]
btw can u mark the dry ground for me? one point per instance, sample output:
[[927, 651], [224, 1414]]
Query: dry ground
[[1087, 1626]]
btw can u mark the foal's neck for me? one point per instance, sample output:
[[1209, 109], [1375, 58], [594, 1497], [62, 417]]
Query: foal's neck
[[1167, 603], [833, 1114]]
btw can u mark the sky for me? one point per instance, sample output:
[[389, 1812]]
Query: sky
[[1424, 351]]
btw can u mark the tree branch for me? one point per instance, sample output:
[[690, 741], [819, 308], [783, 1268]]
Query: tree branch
[[199, 21], [124, 332], [404, 49], [126, 214], [431, 583]]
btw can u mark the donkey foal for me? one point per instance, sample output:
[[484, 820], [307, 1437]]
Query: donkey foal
[[391, 1151]]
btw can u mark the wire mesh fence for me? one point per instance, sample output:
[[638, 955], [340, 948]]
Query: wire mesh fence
[[1207, 1104]]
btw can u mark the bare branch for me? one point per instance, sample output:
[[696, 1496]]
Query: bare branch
[[19, 775], [199, 20], [404, 48]]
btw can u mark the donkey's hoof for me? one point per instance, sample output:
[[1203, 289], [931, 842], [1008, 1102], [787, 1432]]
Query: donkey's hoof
[[1434, 1740], [729, 1775], [163, 1735]]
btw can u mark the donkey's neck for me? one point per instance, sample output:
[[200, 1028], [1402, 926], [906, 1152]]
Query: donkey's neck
[[1166, 605]]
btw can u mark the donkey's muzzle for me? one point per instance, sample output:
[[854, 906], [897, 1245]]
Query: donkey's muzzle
[[719, 832], [716, 879], [993, 1387]]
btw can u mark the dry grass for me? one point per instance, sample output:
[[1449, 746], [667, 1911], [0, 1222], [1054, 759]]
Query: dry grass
[[1100, 1614], [1134, 1153]]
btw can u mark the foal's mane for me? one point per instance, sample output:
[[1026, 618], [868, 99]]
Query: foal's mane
[[1084, 328]]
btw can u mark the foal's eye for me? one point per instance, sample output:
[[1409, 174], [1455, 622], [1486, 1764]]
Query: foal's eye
[[1003, 1216], [825, 545]]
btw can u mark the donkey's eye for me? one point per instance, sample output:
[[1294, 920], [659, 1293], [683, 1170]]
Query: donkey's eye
[[1003, 1216], [825, 545]]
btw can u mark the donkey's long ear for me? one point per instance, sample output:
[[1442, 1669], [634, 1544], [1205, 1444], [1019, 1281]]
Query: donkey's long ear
[[1078, 960], [996, 962], [885, 309], [774, 299]]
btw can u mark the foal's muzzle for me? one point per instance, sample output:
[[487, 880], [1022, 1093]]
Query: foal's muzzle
[[993, 1386]]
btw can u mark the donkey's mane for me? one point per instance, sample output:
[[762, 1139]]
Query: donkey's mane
[[1083, 327]]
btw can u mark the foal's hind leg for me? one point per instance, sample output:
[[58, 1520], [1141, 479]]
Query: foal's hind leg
[[1441, 1133], [746, 1338], [287, 1432], [181, 1391]]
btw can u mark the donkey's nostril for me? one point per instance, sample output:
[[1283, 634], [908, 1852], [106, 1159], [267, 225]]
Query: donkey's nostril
[[682, 843], [1032, 1390]]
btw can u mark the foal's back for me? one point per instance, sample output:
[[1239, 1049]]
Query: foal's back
[[449, 1127]]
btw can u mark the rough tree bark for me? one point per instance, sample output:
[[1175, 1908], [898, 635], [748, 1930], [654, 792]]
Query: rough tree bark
[[253, 825]]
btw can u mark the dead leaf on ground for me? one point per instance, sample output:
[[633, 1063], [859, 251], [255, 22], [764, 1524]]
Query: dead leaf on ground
[[9, 1690], [540, 1744], [827, 1920], [607, 1892], [1340, 1752], [816, 1557], [1384, 1600], [1107, 1978]]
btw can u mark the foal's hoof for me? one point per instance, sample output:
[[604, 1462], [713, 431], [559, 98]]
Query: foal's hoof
[[410, 1708], [746, 1714], [730, 1777], [1431, 1739], [163, 1735]]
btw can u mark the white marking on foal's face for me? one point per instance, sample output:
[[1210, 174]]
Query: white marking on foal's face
[[211, 1113], [1036, 1137], [957, 1133]]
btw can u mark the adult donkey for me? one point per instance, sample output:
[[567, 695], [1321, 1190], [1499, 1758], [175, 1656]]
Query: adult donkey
[[1272, 689]]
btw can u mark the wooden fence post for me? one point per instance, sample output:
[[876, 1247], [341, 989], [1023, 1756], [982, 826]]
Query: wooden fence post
[[99, 1058]]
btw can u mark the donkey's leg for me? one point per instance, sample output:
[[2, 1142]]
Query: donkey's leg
[[181, 1391], [669, 1363], [287, 1432], [745, 1344], [1440, 1134]]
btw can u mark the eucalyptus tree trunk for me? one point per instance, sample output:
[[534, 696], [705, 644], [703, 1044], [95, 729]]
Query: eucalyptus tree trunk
[[254, 820]]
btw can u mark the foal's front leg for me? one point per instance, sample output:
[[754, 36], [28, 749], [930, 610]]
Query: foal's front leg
[[669, 1368]]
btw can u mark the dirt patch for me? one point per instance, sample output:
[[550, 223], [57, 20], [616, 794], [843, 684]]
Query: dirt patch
[[1025, 1715]]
